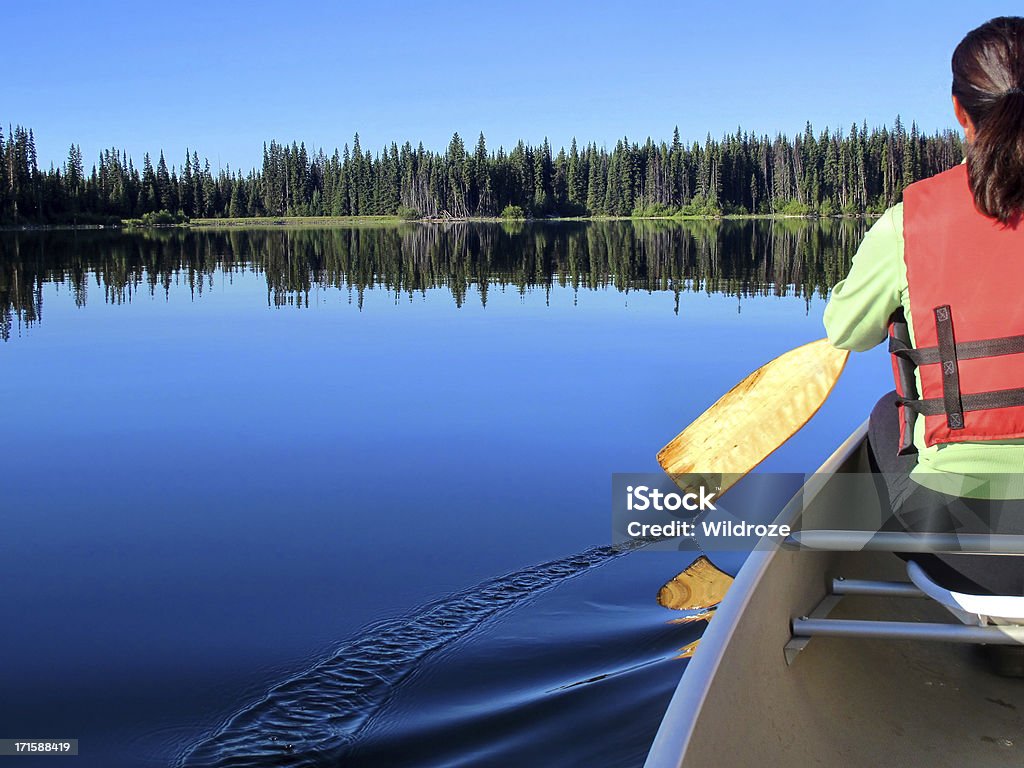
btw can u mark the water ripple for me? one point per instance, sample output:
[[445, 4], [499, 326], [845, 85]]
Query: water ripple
[[311, 719]]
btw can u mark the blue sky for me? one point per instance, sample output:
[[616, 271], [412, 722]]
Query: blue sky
[[223, 77]]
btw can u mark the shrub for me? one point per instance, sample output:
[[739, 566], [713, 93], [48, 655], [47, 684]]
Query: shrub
[[652, 210], [407, 213], [161, 218], [736, 210], [794, 207], [513, 212], [700, 206]]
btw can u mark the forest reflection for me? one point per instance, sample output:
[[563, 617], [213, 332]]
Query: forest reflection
[[743, 258]]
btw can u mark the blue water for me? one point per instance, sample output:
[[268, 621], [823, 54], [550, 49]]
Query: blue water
[[353, 524]]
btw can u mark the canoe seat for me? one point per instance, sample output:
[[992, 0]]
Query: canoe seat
[[970, 609]]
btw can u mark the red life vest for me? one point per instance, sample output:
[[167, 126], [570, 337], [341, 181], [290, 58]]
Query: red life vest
[[965, 277]]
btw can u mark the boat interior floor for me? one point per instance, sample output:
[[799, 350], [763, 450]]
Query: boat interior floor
[[915, 702], [845, 701]]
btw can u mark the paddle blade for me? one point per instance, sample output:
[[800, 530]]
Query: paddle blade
[[700, 587], [757, 415]]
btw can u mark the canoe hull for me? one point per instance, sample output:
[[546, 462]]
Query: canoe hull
[[850, 702]]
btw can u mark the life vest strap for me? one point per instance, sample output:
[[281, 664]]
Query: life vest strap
[[954, 406], [982, 401], [906, 385], [965, 350]]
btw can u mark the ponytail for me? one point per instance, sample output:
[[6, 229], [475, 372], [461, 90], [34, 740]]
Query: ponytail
[[995, 159], [988, 81]]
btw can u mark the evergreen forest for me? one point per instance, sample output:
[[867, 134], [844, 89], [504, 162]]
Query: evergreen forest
[[851, 172]]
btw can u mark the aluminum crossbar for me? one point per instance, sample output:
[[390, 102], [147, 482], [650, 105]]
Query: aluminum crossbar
[[875, 588], [899, 541], [906, 630]]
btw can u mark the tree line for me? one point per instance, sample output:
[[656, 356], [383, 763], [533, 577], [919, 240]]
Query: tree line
[[738, 258], [858, 171]]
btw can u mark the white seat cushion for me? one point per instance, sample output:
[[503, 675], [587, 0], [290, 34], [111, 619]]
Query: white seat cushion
[[970, 609]]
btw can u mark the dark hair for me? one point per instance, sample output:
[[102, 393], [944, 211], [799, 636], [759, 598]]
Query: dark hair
[[988, 80]]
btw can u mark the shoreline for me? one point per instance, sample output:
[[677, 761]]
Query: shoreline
[[295, 222]]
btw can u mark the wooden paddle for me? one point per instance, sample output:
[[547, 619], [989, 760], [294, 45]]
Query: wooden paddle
[[745, 426], [754, 418]]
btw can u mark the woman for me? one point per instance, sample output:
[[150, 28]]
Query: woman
[[943, 274]]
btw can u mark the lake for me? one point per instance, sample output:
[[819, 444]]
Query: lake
[[341, 496]]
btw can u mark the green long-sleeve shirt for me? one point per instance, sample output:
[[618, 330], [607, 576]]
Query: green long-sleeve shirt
[[857, 318]]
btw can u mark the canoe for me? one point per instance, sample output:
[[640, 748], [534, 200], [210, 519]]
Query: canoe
[[754, 694]]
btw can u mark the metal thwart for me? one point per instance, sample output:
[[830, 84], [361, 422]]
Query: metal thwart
[[817, 623]]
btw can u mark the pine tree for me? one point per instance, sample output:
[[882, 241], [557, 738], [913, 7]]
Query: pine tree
[[163, 186], [187, 190], [74, 176], [482, 179]]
